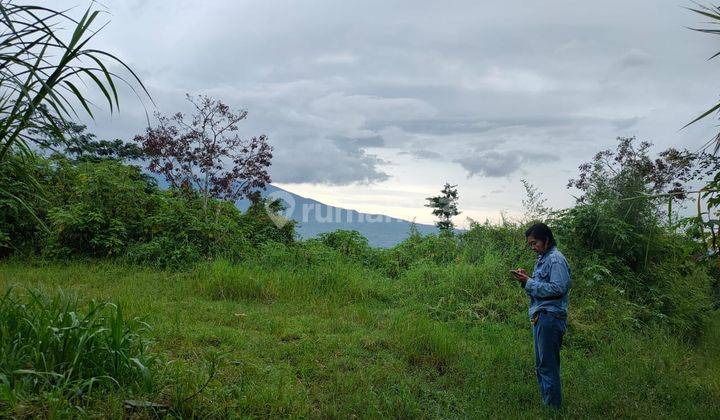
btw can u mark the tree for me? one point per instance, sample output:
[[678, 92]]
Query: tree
[[628, 191], [445, 207], [629, 171], [72, 140], [205, 153]]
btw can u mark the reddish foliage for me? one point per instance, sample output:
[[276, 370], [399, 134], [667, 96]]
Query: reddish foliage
[[204, 152]]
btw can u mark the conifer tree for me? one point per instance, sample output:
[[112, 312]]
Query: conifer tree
[[445, 207]]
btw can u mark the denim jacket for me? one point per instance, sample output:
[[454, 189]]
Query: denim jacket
[[550, 283]]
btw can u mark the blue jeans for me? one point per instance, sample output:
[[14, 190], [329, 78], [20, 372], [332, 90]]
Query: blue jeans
[[548, 335]]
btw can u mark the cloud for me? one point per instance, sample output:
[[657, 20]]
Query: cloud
[[496, 164], [437, 125], [634, 58], [342, 87], [368, 107], [629, 70], [329, 164], [625, 123], [422, 154], [354, 144], [510, 80]]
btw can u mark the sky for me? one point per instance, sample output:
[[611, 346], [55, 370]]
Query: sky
[[374, 105]]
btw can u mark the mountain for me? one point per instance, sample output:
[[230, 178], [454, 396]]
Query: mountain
[[314, 217]]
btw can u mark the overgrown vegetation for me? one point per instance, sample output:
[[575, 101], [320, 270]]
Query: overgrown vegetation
[[250, 321], [641, 273], [56, 348], [432, 327], [108, 209]]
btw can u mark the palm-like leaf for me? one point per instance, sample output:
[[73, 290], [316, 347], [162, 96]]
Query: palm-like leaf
[[39, 77], [40, 72], [712, 12]]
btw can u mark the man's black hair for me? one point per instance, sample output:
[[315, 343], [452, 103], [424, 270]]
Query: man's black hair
[[541, 231]]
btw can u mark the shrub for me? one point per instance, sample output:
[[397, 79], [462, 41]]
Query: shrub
[[163, 252], [439, 249], [97, 209], [349, 243], [258, 228], [21, 206], [506, 241], [107, 209], [181, 231]]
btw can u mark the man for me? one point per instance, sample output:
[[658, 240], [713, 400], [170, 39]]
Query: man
[[548, 291]]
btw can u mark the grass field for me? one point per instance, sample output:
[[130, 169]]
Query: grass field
[[342, 341]]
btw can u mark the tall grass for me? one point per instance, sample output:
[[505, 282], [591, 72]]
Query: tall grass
[[52, 343], [343, 281], [302, 347]]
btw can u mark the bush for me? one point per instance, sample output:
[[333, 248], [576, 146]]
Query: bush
[[349, 243], [97, 209], [257, 227], [416, 249], [660, 272], [163, 252], [506, 241], [617, 237], [107, 209], [22, 207], [182, 230]]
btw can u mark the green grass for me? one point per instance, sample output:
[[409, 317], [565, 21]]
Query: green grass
[[339, 340]]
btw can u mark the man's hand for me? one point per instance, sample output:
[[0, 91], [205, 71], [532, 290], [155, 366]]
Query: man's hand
[[520, 275]]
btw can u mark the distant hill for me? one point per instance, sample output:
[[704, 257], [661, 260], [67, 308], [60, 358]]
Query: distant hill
[[314, 217]]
